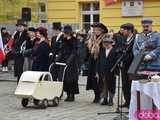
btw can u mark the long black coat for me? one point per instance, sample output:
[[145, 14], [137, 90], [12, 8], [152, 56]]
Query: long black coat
[[68, 55], [92, 82], [16, 49]]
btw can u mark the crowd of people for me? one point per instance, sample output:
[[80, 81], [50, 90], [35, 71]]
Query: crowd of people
[[96, 54]]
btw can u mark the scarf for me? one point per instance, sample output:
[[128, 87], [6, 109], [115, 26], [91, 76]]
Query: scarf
[[94, 45]]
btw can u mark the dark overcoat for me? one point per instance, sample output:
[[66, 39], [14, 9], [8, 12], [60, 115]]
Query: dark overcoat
[[40, 56], [68, 55]]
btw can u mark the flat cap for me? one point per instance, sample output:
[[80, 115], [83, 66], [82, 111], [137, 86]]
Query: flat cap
[[108, 39], [128, 26]]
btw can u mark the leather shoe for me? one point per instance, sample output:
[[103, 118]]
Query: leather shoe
[[104, 101], [110, 103]]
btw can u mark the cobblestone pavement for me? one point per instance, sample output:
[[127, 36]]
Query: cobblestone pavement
[[81, 109]]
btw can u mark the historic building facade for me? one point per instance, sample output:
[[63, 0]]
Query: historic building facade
[[82, 13]]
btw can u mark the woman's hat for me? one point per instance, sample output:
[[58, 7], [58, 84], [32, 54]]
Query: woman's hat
[[42, 31], [100, 25]]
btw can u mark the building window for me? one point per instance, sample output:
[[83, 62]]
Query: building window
[[89, 14], [42, 7], [42, 13]]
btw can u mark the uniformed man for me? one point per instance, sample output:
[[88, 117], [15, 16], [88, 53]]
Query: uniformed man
[[149, 41]]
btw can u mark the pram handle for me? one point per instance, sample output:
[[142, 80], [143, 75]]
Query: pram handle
[[62, 64]]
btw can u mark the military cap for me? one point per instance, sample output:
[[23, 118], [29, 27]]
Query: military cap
[[146, 20]]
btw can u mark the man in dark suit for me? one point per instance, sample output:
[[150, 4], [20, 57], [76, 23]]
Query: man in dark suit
[[56, 44], [127, 60], [19, 37], [56, 40]]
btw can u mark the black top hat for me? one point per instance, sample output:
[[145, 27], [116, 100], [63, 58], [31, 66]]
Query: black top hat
[[20, 22], [56, 25], [67, 29], [128, 26], [32, 29], [100, 25], [147, 20]]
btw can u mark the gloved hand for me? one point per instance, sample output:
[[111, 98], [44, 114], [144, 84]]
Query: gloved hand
[[147, 58]]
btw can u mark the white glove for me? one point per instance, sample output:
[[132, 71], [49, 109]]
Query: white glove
[[147, 58], [50, 54]]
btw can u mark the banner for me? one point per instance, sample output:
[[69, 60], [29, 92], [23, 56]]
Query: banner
[[2, 55], [109, 2]]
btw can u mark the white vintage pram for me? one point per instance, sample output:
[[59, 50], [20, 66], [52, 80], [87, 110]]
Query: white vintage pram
[[40, 88]]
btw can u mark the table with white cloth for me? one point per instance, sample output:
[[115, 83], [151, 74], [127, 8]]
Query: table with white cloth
[[144, 96]]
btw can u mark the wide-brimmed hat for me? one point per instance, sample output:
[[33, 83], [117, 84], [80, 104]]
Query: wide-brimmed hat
[[56, 26], [20, 22], [100, 25]]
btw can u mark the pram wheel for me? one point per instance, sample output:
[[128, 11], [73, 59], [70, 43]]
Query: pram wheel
[[36, 102], [44, 104], [24, 102], [55, 101]]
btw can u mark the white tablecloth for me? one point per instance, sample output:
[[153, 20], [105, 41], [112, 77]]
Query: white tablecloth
[[148, 91]]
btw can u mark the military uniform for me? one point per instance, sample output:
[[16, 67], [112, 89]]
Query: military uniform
[[151, 44]]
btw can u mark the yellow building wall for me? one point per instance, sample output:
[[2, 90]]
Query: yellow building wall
[[68, 11], [65, 11], [62, 11], [111, 15], [10, 10]]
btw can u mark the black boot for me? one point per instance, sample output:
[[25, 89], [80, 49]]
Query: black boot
[[97, 97], [71, 98], [68, 96]]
